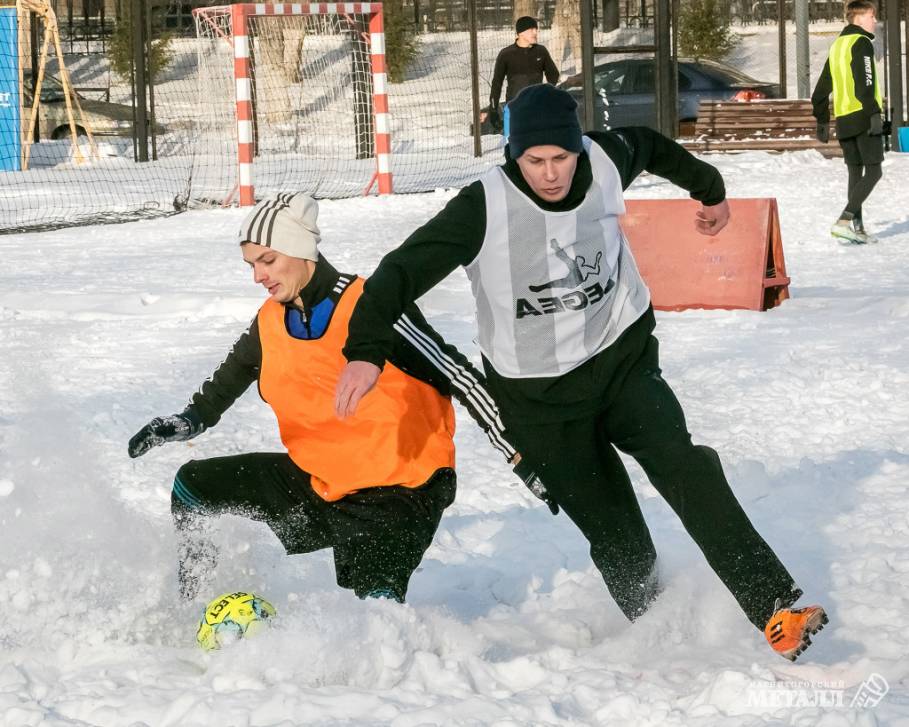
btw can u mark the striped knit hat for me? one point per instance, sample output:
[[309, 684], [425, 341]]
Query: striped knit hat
[[286, 223]]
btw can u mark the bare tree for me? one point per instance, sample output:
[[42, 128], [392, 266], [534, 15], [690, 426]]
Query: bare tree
[[525, 7], [566, 36], [610, 15], [279, 50]]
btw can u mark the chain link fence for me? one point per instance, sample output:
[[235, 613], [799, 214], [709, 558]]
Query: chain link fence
[[431, 108], [107, 175]]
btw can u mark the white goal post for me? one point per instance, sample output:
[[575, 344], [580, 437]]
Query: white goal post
[[307, 82]]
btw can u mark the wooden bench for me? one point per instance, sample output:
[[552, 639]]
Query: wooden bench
[[769, 125]]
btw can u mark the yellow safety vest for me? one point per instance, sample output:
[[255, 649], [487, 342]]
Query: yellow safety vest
[[844, 98]]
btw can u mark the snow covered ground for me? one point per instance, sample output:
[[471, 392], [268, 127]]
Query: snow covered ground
[[507, 622]]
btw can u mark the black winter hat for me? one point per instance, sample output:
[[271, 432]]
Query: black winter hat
[[524, 23], [543, 114]]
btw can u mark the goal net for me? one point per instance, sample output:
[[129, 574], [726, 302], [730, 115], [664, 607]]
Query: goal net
[[308, 115], [294, 100]]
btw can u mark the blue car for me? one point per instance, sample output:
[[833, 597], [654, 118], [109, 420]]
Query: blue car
[[624, 91]]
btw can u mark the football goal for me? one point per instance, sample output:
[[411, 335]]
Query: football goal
[[294, 98]]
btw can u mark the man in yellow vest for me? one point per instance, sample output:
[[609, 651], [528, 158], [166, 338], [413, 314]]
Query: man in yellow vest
[[372, 487], [850, 75]]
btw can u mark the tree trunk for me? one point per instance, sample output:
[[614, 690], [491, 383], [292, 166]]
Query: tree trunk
[[280, 46], [283, 48], [566, 36], [525, 7], [610, 15]]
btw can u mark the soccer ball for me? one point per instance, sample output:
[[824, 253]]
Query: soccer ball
[[232, 617]]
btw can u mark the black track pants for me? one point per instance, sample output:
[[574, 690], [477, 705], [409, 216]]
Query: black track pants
[[862, 180], [379, 535], [578, 462]]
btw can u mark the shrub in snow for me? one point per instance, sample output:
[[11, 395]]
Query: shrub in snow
[[704, 30]]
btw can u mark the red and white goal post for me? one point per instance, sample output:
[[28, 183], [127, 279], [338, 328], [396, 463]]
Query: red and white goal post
[[310, 93]]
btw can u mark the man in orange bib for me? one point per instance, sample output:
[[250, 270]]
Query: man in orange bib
[[373, 486]]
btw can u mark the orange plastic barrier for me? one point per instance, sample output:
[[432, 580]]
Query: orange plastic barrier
[[742, 267]]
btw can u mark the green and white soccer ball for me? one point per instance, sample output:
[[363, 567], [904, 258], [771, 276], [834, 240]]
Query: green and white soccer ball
[[231, 617]]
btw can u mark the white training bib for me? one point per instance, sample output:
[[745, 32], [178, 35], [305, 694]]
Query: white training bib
[[553, 289]]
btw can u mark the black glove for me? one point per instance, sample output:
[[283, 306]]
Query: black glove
[[495, 120], [877, 125], [173, 428], [823, 133], [530, 478]]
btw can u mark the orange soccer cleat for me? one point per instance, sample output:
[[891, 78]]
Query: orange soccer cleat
[[789, 630]]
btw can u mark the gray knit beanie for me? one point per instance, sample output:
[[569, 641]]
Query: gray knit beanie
[[286, 223]]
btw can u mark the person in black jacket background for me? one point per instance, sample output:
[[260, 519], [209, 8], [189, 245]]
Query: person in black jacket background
[[565, 329], [851, 76], [521, 64]]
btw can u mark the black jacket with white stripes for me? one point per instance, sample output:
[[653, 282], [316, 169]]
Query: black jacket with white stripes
[[418, 350], [455, 236]]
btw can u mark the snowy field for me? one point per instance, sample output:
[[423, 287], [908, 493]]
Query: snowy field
[[507, 622]]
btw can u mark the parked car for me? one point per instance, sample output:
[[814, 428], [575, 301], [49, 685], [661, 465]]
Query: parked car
[[490, 122], [625, 90], [104, 117]]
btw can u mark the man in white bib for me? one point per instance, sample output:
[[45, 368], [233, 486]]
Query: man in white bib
[[565, 329]]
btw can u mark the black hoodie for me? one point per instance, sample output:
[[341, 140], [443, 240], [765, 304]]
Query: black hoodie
[[522, 67]]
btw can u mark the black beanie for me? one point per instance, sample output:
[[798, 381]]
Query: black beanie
[[543, 114], [524, 23]]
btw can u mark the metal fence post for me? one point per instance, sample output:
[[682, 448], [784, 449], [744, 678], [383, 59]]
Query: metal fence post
[[895, 63], [474, 76], [802, 59], [33, 42], [587, 66], [781, 29], [140, 130], [667, 111]]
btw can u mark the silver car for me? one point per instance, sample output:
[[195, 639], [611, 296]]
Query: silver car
[[103, 117], [624, 91]]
